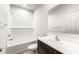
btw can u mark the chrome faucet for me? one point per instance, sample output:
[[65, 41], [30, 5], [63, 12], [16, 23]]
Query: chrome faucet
[[57, 38], [44, 35], [11, 39]]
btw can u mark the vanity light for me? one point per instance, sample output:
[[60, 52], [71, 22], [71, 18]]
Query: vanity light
[[24, 5]]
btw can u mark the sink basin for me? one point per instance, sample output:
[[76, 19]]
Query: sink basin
[[63, 45]]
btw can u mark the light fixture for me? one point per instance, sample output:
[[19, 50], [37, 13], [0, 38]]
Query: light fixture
[[24, 5]]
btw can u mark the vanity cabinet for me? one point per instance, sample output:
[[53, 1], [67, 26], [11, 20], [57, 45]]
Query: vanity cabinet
[[45, 49]]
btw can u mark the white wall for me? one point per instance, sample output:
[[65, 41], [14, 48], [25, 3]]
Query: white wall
[[21, 18], [65, 19], [40, 21], [21, 25], [21, 35]]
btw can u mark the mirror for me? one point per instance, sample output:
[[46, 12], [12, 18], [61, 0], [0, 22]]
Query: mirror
[[64, 19]]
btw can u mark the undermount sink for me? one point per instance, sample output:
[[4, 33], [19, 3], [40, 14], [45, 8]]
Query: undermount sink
[[62, 44], [53, 39]]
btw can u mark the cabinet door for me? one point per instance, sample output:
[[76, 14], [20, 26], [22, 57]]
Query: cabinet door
[[3, 37], [2, 41], [45, 49], [3, 28]]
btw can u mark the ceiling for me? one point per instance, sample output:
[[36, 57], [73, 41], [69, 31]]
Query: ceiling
[[32, 7]]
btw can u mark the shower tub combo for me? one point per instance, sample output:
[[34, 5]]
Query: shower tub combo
[[21, 39]]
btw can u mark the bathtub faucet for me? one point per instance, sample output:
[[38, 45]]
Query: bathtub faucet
[[57, 38], [10, 39]]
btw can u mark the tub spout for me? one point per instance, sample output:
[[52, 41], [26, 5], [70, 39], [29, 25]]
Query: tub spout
[[57, 38]]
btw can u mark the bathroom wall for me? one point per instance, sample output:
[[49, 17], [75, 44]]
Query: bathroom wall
[[21, 18], [64, 18], [22, 35], [40, 21], [21, 25]]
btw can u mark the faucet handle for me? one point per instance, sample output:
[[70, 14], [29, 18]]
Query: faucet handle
[[11, 39], [57, 38]]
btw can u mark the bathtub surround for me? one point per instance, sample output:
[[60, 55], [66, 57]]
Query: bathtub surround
[[21, 35], [21, 18], [20, 25], [21, 31]]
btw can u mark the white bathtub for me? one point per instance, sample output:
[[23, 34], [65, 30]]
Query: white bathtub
[[22, 37], [17, 48]]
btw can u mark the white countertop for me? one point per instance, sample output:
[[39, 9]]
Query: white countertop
[[63, 46]]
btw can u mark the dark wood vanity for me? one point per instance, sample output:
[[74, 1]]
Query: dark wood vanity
[[45, 49]]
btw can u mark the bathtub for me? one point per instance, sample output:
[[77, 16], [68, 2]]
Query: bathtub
[[22, 37], [17, 48]]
